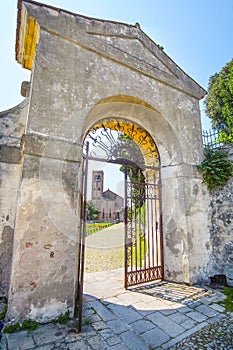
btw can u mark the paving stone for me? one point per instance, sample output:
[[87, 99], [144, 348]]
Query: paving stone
[[169, 326], [196, 316], [106, 333], [133, 341], [88, 330], [217, 318], [73, 336], [157, 304], [192, 303], [3, 345], [125, 313], [217, 307], [168, 312], [205, 310], [95, 318], [113, 300], [118, 326], [186, 334], [182, 320], [184, 309], [47, 333], [155, 337], [114, 340], [142, 326], [146, 321], [99, 325], [143, 308], [88, 312], [119, 347], [97, 342], [79, 345], [102, 311], [47, 347], [20, 341], [205, 300], [126, 299]]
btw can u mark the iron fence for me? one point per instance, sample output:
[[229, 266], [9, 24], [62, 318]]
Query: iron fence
[[211, 138]]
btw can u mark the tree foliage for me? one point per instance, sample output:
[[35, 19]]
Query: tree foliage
[[219, 102], [92, 211], [137, 179]]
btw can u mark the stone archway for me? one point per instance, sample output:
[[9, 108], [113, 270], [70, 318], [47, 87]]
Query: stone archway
[[120, 72], [119, 141], [168, 152]]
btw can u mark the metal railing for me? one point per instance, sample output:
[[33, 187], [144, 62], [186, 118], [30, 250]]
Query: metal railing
[[211, 138]]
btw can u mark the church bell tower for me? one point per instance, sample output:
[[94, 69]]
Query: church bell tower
[[97, 184]]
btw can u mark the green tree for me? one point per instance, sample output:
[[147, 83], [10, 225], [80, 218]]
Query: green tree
[[219, 102], [92, 211], [132, 156], [137, 178]]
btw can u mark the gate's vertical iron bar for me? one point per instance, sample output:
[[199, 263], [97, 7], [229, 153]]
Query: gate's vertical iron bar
[[160, 226], [147, 218], [83, 236], [140, 223], [144, 229], [131, 225], [152, 223], [126, 229], [156, 219], [134, 207]]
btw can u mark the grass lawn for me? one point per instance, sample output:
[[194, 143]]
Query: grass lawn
[[95, 227]]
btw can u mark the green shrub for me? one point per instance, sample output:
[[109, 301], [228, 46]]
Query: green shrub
[[216, 168]]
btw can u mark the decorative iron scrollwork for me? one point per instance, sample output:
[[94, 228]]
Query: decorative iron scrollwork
[[118, 140]]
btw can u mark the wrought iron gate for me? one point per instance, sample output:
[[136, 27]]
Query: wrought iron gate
[[143, 228], [143, 223]]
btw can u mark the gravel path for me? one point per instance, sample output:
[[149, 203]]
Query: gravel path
[[216, 336], [105, 249]]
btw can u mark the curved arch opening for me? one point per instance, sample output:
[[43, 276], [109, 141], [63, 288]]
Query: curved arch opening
[[119, 140]]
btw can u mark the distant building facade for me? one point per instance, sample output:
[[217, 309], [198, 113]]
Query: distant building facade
[[109, 203]]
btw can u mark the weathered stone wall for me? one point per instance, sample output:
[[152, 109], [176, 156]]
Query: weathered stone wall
[[12, 126], [221, 230], [81, 74]]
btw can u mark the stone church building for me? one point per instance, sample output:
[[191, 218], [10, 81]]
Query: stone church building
[[109, 203], [89, 74]]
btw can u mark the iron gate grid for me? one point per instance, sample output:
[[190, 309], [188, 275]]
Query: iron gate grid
[[143, 238], [143, 219]]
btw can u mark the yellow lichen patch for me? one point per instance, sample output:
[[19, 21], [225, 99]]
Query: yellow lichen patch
[[29, 31]]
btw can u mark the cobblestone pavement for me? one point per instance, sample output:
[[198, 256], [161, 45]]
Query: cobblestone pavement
[[157, 316]]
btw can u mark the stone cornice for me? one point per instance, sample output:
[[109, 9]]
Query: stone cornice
[[86, 32]]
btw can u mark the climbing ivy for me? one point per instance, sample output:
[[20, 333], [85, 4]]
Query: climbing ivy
[[216, 168]]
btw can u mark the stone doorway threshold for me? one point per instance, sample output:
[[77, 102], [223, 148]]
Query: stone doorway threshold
[[108, 284]]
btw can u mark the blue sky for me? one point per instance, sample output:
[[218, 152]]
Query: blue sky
[[196, 34]]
